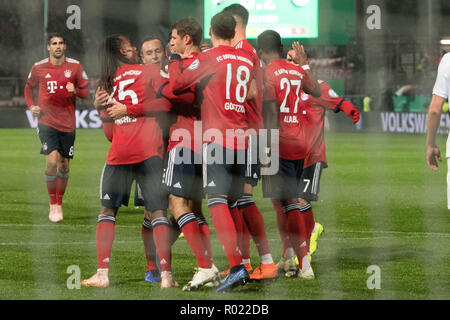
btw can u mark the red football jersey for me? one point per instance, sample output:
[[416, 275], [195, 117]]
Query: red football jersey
[[254, 107], [56, 103], [284, 82], [312, 116], [186, 116], [225, 74], [135, 139]]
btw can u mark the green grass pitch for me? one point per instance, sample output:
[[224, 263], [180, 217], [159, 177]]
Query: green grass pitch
[[379, 203]]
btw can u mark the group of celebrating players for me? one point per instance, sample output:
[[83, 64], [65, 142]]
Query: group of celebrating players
[[187, 125]]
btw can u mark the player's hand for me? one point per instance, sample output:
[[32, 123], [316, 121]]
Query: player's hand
[[71, 88], [351, 111], [101, 97], [117, 110], [298, 55], [433, 156], [204, 46], [35, 111]]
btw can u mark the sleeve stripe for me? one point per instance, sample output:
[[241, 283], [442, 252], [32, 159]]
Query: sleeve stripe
[[338, 107]]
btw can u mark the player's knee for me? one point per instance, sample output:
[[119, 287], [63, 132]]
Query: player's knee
[[108, 211], [248, 188], [151, 215], [303, 202], [178, 205], [289, 202]]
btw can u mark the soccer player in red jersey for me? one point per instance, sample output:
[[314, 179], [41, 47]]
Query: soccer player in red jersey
[[225, 74], [182, 180], [60, 80], [246, 214], [312, 115], [283, 84], [136, 153], [183, 174]]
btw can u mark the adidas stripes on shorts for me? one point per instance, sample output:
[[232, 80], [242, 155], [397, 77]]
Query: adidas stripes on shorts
[[182, 176], [116, 181]]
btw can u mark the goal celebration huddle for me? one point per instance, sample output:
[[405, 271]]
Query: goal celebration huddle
[[192, 123]]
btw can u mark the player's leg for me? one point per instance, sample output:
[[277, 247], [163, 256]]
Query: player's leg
[[148, 175], [49, 147], [267, 270], [66, 152], [115, 184], [291, 172], [287, 264], [218, 180], [309, 188], [196, 207]]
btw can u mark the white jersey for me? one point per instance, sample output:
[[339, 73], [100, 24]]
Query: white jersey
[[442, 87]]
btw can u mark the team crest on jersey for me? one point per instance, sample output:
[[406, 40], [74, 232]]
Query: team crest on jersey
[[68, 73], [305, 96], [333, 94], [194, 65]]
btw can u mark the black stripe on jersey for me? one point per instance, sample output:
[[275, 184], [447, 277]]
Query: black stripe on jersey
[[338, 107], [159, 94]]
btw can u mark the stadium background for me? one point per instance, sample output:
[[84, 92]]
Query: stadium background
[[356, 61]]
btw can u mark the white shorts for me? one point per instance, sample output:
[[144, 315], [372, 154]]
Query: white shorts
[[448, 183]]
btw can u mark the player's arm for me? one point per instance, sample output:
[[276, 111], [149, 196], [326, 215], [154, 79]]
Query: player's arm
[[310, 84], [117, 110], [332, 101], [30, 87], [434, 119], [81, 87], [440, 94], [253, 91], [270, 108], [107, 124], [182, 79], [185, 98]]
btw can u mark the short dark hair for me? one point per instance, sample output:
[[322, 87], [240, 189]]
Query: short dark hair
[[54, 35], [269, 41], [223, 25], [189, 26], [239, 11], [151, 37]]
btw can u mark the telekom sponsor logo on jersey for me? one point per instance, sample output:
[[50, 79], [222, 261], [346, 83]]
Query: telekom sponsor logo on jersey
[[51, 86]]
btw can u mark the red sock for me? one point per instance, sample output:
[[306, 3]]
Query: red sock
[[226, 232], [282, 225], [308, 219], [206, 236], [161, 237], [61, 184], [189, 226], [104, 239], [244, 241], [149, 245], [297, 234], [239, 225], [255, 223], [50, 179]]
